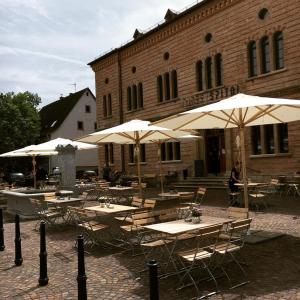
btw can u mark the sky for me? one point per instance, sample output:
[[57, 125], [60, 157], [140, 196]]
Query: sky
[[45, 45]]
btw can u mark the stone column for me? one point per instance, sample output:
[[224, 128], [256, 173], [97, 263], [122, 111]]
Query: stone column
[[66, 163]]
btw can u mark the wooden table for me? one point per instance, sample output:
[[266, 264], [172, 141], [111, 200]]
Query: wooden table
[[177, 228], [64, 201], [180, 226], [166, 196], [120, 188], [113, 209]]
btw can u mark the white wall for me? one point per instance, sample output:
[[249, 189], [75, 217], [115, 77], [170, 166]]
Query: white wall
[[69, 129]]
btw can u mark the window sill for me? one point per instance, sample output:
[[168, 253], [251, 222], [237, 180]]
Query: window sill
[[168, 101], [266, 74], [271, 155], [134, 110], [171, 161], [141, 163], [108, 117]]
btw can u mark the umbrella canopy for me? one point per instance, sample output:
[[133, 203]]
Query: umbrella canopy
[[23, 152], [238, 111], [45, 149], [133, 132], [53, 144]]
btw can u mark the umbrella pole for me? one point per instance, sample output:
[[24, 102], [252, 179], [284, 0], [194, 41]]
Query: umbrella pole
[[138, 163], [242, 134], [34, 171], [160, 168]]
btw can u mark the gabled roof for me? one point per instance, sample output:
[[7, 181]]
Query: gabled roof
[[53, 114]]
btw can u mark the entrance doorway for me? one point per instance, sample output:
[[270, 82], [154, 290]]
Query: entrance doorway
[[215, 151]]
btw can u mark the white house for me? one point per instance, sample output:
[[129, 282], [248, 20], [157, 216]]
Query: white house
[[71, 117]]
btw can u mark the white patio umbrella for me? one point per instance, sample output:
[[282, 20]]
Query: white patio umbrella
[[23, 152], [47, 149], [53, 144], [238, 111], [132, 132]]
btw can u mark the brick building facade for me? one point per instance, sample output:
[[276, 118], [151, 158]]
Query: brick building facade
[[212, 50]]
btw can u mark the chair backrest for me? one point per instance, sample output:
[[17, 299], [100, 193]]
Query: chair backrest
[[238, 230], [84, 195], [207, 236], [169, 214], [237, 212], [149, 203], [38, 204], [200, 194], [144, 218], [135, 185], [49, 196], [274, 181], [137, 201]]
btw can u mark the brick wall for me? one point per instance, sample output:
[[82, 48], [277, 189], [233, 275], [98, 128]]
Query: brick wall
[[232, 23]]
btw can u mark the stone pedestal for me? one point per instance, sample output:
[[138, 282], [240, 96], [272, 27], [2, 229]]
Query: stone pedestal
[[66, 163]]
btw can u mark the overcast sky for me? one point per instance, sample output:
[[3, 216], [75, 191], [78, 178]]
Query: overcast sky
[[45, 45]]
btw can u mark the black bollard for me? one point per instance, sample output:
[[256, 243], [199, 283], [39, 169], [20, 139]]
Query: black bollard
[[153, 281], [81, 277], [43, 280], [2, 247], [18, 249]]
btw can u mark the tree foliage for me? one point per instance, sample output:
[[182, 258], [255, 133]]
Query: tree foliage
[[19, 120]]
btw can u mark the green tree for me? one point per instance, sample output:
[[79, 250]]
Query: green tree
[[19, 120]]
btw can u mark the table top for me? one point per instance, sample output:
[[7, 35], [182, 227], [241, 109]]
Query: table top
[[180, 226], [174, 195], [65, 200], [114, 208], [120, 188], [251, 184]]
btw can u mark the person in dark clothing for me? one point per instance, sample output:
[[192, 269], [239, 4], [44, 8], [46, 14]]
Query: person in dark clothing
[[234, 177], [106, 172]]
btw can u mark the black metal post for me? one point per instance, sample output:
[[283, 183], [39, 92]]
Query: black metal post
[[153, 280], [2, 246], [43, 280], [18, 249], [81, 277]]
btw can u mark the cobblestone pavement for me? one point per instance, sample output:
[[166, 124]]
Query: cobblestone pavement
[[273, 266]]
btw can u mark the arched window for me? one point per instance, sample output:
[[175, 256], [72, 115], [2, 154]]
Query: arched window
[[129, 105], [109, 105], [252, 59], [167, 86], [104, 106], [265, 55], [174, 84], [208, 66], [134, 97], [278, 50], [219, 69], [199, 77], [159, 88], [140, 95]]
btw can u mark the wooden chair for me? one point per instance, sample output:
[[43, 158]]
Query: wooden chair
[[49, 216], [149, 204], [237, 212], [199, 257], [49, 196], [228, 249], [89, 228]]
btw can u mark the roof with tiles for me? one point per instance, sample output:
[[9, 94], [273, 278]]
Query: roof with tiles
[[54, 114], [170, 17]]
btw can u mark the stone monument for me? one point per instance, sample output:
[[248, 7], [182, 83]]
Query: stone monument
[[66, 161]]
